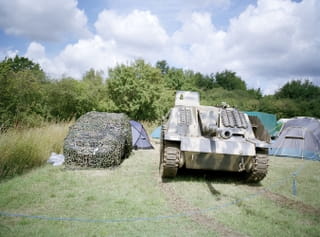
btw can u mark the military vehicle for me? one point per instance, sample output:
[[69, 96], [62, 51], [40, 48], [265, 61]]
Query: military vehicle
[[210, 138]]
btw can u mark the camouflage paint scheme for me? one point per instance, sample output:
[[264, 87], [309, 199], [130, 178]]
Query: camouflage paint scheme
[[209, 138]]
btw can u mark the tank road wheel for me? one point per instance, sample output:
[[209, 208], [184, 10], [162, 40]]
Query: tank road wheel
[[169, 161], [259, 169]]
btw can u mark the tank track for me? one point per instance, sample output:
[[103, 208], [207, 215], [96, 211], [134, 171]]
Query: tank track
[[259, 169], [170, 162], [169, 157]]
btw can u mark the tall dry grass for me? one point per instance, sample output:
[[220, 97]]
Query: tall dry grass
[[21, 150]]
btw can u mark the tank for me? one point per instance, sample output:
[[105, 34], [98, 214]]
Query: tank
[[210, 138]]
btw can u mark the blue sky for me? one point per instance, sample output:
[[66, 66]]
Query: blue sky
[[267, 42]]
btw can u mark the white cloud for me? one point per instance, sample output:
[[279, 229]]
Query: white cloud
[[91, 53], [169, 11], [195, 29], [198, 45], [42, 19], [267, 44], [137, 29], [35, 51], [76, 59], [9, 53], [120, 39], [277, 40]]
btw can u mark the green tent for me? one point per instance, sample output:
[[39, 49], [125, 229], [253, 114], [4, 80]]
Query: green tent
[[269, 121]]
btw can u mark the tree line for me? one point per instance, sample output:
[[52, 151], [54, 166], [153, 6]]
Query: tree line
[[143, 91]]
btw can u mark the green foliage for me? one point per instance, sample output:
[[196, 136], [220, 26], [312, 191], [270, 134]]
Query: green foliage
[[283, 108], [255, 93], [236, 98], [144, 92], [94, 78], [197, 81], [229, 81], [18, 64], [70, 98], [22, 93], [309, 108], [174, 79], [163, 66], [298, 89], [22, 150], [205, 82], [137, 90], [302, 96]]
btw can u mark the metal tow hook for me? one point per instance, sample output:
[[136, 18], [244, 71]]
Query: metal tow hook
[[241, 165]]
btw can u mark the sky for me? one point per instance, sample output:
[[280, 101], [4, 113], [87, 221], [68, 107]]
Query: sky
[[266, 42]]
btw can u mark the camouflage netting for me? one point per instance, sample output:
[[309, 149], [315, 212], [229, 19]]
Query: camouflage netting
[[98, 140]]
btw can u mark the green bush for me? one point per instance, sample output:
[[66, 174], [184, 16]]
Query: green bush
[[138, 90]]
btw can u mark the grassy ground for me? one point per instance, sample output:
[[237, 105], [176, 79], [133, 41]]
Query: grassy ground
[[131, 201], [27, 148]]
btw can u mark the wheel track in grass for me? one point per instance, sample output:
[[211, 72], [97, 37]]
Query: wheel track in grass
[[181, 205], [284, 201]]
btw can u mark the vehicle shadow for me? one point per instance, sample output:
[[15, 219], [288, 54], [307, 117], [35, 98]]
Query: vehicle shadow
[[211, 177]]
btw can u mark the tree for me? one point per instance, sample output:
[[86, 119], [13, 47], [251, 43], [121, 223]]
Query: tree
[[298, 89], [256, 93], [93, 77], [137, 90], [163, 66], [174, 79], [189, 81], [229, 81], [70, 98], [304, 95], [22, 95], [18, 64], [204, 81], [283, 108]]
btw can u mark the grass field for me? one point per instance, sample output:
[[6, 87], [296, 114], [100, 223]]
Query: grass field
[[132, 201], [23, 149]]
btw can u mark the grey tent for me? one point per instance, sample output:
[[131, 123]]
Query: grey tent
[[140, 138], [299, 137]]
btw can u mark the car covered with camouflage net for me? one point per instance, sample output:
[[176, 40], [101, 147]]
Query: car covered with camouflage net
[[98, 140], [210, 138]]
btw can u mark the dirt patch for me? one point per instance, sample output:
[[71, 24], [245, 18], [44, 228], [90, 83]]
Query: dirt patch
[[182, 206], [285, 201]]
